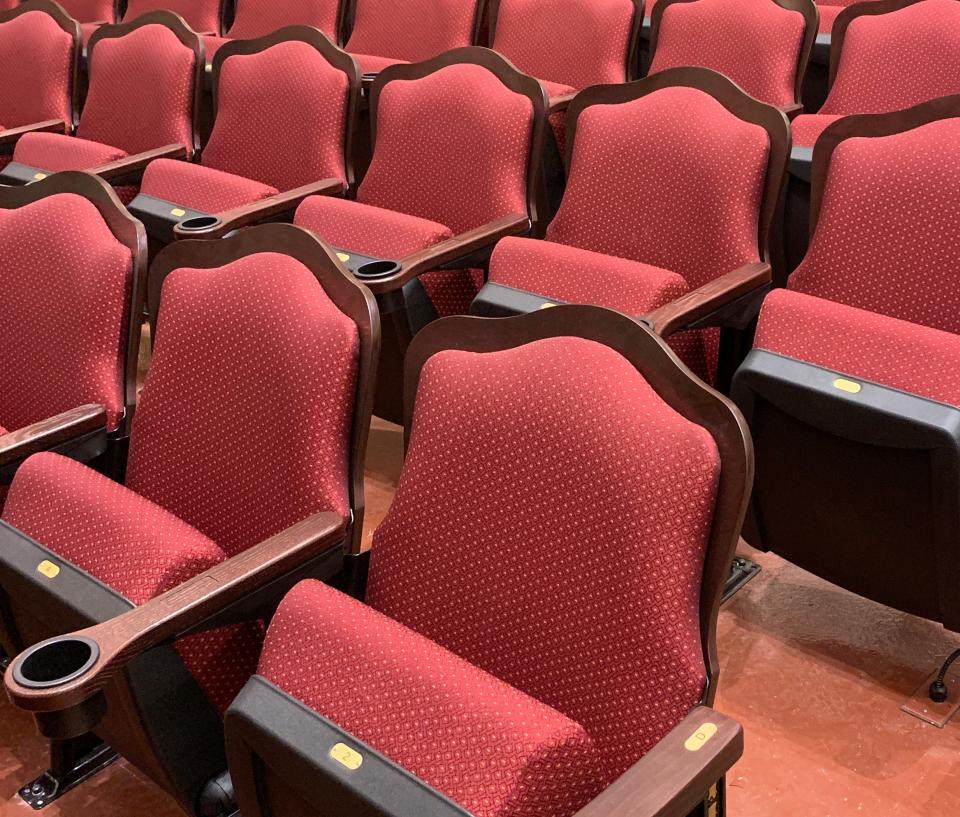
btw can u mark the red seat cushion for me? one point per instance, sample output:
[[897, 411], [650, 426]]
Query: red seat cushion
[[808, 127], [87, 30], [57, 151], [372, 64], [555, 89], [478, 740], [200, 188], [367, 229], [580, 276], [862, 344], [135, 547]]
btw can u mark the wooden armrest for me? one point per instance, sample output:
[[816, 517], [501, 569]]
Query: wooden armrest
[[255, 211], [793, 110], [560, 103], [677, 773], [20, 444], [452, 249], [129, 165], [11, 135], [711, 296], [122, 638]]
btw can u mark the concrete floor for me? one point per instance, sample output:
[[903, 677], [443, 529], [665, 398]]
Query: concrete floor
[[815, 675]]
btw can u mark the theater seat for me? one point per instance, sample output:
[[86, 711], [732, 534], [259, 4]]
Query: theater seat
[[390, 32], [438, 191], [854, 370], [527, 689], [38, 93], [92, 13], [569, 45], [140, 105], [650, 215], [245, 450], [72, 264], [917, 41], [917, 45], [259, 18], [285, 106], [762, 45]]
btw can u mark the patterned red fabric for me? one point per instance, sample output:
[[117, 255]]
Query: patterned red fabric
[[247, 357], [57, 151], [257, 18], [888, 239], [366, 229], [39, 87], [571, 42], [203, 16], [86, 31], [281, 117], [90, 11], [125, 541], [862, 344], [580, 276], [411, 30], [452, 291], [694, 211], [211, 45], [141, 91], [134, 546], [452, 147], [920, 47], [756, 43], [64, 309], [487, 746], [570, 446], [200, 188], [808, 127]]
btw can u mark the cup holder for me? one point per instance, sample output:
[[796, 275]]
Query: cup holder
[[55, 661], [377, 269], [198, 223]]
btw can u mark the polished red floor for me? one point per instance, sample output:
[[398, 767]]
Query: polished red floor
[[815, 674]]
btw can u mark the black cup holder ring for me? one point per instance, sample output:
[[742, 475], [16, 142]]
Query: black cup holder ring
[[197, 223], [55, 661], [377, 269]]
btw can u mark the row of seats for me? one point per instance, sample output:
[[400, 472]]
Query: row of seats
[[511, 687], [672, 188]]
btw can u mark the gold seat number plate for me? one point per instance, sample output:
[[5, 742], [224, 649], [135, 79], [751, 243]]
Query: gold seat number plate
[[346, 756], [698, 739]]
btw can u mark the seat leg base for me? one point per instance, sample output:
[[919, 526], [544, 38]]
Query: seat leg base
[[741, 571], [937, 713], [72, 762]]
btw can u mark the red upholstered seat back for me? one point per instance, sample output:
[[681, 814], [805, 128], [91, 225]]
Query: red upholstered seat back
[[281, 117], [550, 526], [888, 236], [671, 179], [141, 91], [90, 11], [36, 61], [203, 16], [248, 357], [64, 311], [756, 43], [256, 18], [571, 42], [411, 30], [918, 44], [452, 147]]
